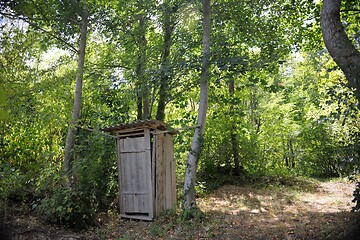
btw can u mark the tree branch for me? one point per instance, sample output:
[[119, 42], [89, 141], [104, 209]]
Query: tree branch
[[31, 23], [110, 66], [350, 10]]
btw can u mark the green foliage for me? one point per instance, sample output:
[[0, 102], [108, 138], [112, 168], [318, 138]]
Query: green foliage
[[14, 186], [3, 113], [295, 130], [289, 111], [67, 207], [356, 199], [95, 177], [351, 20], [192, 213], [95, 169]]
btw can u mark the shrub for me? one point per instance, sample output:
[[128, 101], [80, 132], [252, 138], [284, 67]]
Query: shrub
[[356, 199], [14, 185], [68, 208]]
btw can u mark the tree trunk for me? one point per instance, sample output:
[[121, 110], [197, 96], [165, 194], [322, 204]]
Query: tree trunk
[[196, 145], [164, 68], [143, 105], [339, 45], [233, 134], [70, 139], [253, 105], [235, 150]]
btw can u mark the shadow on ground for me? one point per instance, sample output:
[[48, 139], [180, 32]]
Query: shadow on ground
[[267, 211], [286, 211]]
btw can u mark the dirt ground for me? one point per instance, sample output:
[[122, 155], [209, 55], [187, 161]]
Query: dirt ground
[[302, 210], [291, 209]]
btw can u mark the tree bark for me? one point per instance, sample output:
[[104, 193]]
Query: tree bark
[[70, 139], [143, 105], [168, 27], [196, 145], [339, 45], [233, 134]]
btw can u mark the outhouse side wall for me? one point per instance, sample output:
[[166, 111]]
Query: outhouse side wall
[[165, 192]]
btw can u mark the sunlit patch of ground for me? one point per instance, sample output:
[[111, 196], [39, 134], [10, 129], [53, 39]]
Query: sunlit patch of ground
[[317, 211]]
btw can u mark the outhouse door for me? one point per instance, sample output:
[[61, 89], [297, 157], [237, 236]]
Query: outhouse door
[[135, 177]]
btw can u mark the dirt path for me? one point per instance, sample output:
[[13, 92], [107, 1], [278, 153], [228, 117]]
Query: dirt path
[[307, 210]]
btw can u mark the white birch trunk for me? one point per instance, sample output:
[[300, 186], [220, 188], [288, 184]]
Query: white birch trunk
[[196, 145], [70, 139]]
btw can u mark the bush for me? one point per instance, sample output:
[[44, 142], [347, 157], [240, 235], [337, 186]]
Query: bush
[[356, 199], [68, 208], [14, 185], [95, 177], [95, 170]]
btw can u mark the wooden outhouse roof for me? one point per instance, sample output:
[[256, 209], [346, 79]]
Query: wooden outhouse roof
[[138, 125]]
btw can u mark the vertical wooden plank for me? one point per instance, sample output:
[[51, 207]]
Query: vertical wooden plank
[[118, 156], [134, 162], [172, 170], [160, 172], [123, 175], [147, 158], [167, 172], [153, 174], [124, 178], [140, 176], [128, 179], [137, 174], [156, 183], [157, 173]]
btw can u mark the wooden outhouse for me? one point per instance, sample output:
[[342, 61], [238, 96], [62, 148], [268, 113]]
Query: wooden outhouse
[[146, 166]]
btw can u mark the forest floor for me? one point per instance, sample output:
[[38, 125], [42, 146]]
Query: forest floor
[[289, 209]]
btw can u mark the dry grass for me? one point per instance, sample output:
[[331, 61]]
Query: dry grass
[[316, 210], [290, 209]]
